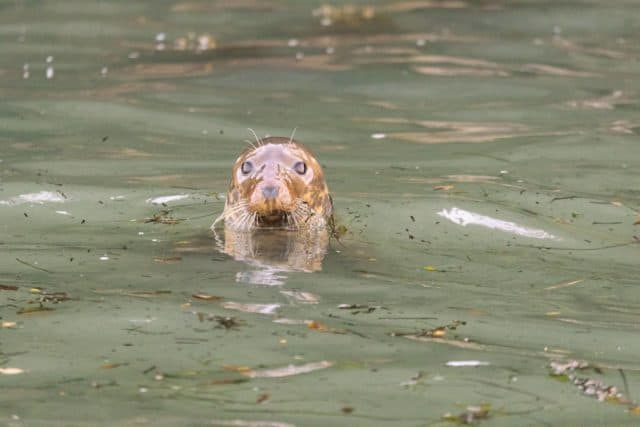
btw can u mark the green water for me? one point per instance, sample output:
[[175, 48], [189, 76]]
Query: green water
[[518, 119]]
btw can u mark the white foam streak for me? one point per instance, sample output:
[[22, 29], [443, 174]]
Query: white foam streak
[[252, 308], [464, 218], [40, 198], [466, 363], [166, 199]]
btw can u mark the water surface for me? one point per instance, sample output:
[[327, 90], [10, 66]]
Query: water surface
[[483, 157]]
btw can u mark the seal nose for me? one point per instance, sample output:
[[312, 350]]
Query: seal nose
[[270, 192]]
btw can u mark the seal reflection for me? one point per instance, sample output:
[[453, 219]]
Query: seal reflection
[[274, 252]]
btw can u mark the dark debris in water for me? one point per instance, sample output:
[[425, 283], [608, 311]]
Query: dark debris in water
[[437, 332], [360, 308], [228, 322], [337, 231], [414, 380], [163, 217], [32, 265], [223, 322], [102, 384]]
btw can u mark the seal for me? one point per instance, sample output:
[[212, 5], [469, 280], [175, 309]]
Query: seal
[[277, 184]]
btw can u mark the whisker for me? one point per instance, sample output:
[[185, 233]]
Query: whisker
[[240, 222], [241, 206], [258, 140], [228, 214], [217, 220], [247, 220], [246, 223], [292, 135], [251, 221], [250, 143], [296, 217]]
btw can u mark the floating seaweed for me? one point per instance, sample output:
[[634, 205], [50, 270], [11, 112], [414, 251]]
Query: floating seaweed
[[130, 293], [52, 297], [347, 16], [471, 415], [206, 297], [168, 260], [312, 324], [567, 371], [288, 370], [112, 365]]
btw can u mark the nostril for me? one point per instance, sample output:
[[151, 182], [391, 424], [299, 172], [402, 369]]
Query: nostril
[[270, 192]]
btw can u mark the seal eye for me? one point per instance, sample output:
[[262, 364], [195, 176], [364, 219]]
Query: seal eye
[[300, 167], [246, 167]]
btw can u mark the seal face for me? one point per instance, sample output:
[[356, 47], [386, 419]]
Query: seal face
[[277, 184]]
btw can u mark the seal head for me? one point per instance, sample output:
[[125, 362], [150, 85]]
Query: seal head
[[277, 184]]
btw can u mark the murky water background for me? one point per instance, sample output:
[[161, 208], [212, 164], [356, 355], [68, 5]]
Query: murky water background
[[483, 156]]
